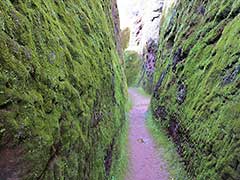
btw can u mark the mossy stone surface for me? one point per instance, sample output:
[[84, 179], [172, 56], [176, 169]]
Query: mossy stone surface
[[198, 80], [62, 89]]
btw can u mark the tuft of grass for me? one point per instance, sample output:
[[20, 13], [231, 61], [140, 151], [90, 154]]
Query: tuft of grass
[[174, 164]]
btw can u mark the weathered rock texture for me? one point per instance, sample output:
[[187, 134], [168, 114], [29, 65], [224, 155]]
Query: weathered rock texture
[[145, 36], [146, 23], [149, 61], [117, 30], [197, 78], [151, 21], [61, 90]]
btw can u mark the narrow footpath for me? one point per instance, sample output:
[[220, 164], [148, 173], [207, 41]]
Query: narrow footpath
[[145, 161]]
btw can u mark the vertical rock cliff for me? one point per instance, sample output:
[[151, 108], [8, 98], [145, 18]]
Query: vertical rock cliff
[[197, 85], [117, 30], [61, 89], [143, 19]]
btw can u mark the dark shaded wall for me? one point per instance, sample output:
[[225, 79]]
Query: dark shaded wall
[[61, 89], [197, 85]]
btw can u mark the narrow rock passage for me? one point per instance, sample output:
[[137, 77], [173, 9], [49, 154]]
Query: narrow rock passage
[[145, 161]]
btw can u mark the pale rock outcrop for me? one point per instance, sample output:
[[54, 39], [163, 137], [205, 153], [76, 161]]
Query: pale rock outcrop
[[146, 23]]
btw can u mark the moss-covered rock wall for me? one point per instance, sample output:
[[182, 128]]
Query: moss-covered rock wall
[[61, 90], [197, 85]]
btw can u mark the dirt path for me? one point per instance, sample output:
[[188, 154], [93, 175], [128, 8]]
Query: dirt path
[[145, 161]]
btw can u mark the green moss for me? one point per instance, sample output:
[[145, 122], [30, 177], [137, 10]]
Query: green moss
[[132, 67], [125, 37], [208, 118], [62, 89]]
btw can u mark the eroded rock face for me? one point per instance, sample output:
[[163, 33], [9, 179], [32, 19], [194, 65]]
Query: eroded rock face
[[230, 77], [61, 89], [117, 30], [197, 81], [149, 60], [146, 24], [160, 113], [145, 37], [181, 93], [176, 58]]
